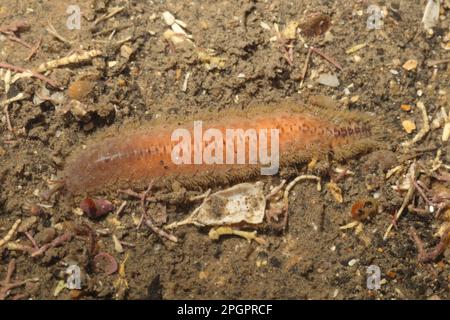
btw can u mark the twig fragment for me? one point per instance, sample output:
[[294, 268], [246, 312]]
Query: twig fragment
[[108, 15], [200, 197], [8, 118], [121, 208], [15, 27], [55, 243], [14, 246], [191, 218], [305, 67], [37, 75], [33, 242], [326, 57], [276, 189], [215, 234], [34, 49], [74, 58], [19, 97], [12, 30], [432, 63], [6, 104], [422, 132], [113, 29], [18, 40], [406, 201], [10, 233], [149, 221]]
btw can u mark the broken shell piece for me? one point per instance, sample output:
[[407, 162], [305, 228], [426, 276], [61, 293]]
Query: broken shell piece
[[440, 119], [290, 32], [179, 30], [174, 37], [117, 245], [410, 65], [111, 64], [350, 225], [211, 60], [7, 80], [181, 23], [445, 46], [409, 126], [441, 231], [327, 79], [404, 185], [57, 97], [355, 48], [264, 25], [244, 202], [168, 18], [126, 51], [431, 14]]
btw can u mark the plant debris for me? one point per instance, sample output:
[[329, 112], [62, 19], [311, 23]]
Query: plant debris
[[216, 233], [241, 203]]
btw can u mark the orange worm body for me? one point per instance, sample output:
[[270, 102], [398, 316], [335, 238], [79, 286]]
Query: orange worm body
[[141, 155]]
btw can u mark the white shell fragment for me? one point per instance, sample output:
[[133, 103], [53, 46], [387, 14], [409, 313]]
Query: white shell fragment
[[176, 33], [327, 79], [168, 18], [243, 202], [431, 14], [446, 132], [177, 29]]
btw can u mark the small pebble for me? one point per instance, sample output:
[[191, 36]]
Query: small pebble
[[126, 51], [352, 262], [410, 65], [117, 245], [354, 99], [446, 132], [409, 126], [45, 236], [405, 107], [80, 89]]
